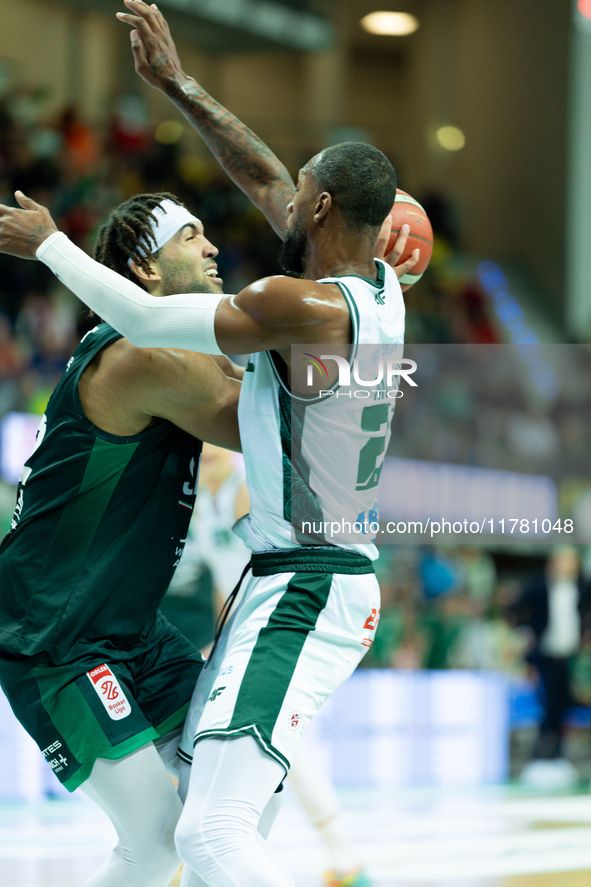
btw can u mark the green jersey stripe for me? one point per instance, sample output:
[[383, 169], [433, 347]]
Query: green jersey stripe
[[278, 649], [249, 730], [82, 516]]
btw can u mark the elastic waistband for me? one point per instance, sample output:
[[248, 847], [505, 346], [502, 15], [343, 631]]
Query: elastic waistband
[[310, 560]]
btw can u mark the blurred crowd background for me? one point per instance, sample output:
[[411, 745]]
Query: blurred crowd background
[[496, 283]]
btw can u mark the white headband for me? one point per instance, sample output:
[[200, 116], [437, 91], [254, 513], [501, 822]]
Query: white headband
[[170, 218]]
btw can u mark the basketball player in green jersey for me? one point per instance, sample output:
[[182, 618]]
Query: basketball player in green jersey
[[99, 679], [307, 614]]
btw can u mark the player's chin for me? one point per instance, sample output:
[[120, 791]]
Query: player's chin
[[215, 285]]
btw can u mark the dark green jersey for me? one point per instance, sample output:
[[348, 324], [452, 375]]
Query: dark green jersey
[[99, 526]]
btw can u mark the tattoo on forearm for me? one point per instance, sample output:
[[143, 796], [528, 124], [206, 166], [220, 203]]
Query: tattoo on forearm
[[242, 153]]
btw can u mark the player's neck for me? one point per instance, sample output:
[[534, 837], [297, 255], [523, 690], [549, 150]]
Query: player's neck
[[342, 267], [339, 253]]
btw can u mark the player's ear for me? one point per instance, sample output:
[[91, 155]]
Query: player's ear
[[153, 276], [323, 204]]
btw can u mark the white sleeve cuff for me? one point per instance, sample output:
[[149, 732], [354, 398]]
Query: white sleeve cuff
[[181, 321]]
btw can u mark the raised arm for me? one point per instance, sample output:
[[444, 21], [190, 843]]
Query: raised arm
[[246, 159]]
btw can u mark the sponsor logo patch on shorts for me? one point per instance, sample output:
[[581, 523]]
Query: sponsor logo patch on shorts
[[109, 691], [371, 623]]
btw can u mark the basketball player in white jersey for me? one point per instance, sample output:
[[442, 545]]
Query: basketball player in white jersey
[[222, 500], [311, 601]]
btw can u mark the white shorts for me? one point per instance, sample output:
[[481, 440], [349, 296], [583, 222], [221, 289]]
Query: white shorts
[[302, 625]]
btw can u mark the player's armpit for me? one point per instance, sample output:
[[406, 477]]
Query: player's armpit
[[227, 366]]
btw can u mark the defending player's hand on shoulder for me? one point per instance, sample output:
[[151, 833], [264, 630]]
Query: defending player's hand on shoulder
[[154, 52], [22, 231], [397, 250]]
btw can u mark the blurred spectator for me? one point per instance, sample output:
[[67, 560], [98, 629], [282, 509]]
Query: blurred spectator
[[533, 435], [554, 605], [440, 571], [479, 574], [487, 641], [11, 358]]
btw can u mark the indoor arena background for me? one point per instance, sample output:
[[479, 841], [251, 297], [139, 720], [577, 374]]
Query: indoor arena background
[[485, 111]]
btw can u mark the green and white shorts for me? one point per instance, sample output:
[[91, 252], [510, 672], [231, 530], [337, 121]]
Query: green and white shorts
[[302, 624], [99, 706]]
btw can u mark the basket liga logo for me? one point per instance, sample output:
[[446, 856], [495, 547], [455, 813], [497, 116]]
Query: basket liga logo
[[389, 372], [110, 692]]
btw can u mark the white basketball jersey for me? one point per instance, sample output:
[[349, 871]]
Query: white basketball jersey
[[313, 464]]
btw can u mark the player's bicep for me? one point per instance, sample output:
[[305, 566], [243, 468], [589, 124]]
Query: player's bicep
[[217, 423], [192, 392], [276, 312]]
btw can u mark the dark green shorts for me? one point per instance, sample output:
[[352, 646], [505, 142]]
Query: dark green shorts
[[99, 708]]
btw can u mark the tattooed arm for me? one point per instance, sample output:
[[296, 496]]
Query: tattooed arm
[[246, 159]]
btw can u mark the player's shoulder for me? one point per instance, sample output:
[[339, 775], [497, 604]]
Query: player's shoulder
[[126, 359], [282, 283], [282, 296], [119, 356], [120, 365]]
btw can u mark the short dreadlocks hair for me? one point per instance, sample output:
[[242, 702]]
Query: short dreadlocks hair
[[128, 234]]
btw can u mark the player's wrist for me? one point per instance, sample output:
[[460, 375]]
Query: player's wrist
[[37, 237], [48, 238], [178, 85]]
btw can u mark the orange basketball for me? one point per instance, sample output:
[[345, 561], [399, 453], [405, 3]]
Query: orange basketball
[[407, 210]]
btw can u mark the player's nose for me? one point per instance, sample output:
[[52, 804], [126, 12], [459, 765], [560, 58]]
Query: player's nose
[[209, 250]]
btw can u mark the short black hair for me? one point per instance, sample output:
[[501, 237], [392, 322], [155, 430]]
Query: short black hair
[[361, 181], [128, 233]]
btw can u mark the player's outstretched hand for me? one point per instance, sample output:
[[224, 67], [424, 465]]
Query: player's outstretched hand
[[154, 53], [22, 231], [398, 250]]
